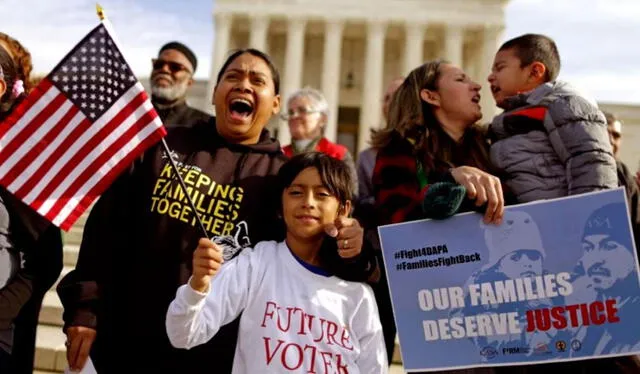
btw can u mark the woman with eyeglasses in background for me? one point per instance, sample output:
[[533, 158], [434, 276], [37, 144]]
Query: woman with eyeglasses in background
[[307, 114]]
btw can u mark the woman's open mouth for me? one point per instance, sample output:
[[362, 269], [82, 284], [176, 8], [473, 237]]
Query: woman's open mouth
[[240, 109]]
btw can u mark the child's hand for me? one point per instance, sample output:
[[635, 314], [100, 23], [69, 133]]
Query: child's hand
[[348, 234], [207, 259], [484, 188]]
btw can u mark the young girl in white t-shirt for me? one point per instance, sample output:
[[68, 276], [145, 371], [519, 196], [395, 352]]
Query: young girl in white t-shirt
[[296, 315]]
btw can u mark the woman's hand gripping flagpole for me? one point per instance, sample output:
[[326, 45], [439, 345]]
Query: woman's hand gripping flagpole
[[184, 188]]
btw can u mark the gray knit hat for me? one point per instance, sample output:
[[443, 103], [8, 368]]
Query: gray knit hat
[[517, 232]]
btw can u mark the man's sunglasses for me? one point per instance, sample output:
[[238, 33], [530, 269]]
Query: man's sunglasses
[[174, 67]]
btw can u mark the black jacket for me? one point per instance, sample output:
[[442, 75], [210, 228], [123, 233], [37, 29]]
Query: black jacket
[[626, 179], [179, 114]]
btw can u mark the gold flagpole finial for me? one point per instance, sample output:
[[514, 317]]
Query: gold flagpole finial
[[100, 11]]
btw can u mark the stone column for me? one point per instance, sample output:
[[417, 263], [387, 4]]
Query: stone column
[[331, 73], [294, 56], [413, 47], [370, 110], [453, 44], [223, 23], [492, 40], [259, 31]]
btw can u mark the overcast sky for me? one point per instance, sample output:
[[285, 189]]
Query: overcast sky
[[598, 39]]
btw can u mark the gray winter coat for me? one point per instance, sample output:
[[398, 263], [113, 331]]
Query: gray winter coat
[[552, 142]]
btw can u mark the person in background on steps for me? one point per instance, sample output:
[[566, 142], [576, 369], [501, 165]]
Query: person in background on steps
[[307, 114], [30, 246], [367, 158], [171, 77], [625, 178]]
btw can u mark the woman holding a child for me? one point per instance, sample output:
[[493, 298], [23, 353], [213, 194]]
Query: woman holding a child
[[434, 161]]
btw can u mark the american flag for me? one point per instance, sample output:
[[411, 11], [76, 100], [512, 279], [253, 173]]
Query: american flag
[[77, 131]]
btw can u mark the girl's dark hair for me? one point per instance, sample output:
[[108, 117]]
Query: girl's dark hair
[[334, 174], [10, 75], [275, 75], [412, 117]]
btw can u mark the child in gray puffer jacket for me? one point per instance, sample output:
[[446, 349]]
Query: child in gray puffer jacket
[[550, 141]]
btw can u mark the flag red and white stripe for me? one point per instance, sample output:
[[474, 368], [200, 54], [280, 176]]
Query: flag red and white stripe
[[53, 155]]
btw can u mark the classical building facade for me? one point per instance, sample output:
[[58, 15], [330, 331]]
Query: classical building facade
[[350, 49]]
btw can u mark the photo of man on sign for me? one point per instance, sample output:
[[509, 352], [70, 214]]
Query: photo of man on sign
[[606, 270]]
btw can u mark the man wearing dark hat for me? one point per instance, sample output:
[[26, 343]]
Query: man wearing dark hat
[[171, 76]]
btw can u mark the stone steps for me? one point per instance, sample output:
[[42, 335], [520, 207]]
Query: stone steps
[[71, 252], [50, 354], [50, 350], [51, 311]]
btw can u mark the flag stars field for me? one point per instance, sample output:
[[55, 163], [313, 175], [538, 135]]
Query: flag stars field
[[86, 121]]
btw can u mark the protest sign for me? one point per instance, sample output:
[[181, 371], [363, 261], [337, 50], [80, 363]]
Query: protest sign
[[556, 281]]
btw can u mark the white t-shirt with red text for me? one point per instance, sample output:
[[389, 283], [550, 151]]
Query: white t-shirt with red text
[[293, 320]]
